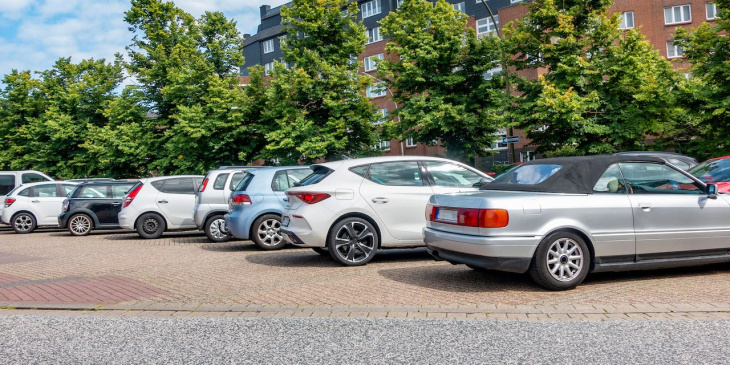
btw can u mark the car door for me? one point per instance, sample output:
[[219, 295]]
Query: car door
[[446, 177], [97, 199], [398, 193], [46, 203], [673, 216], [115, 203], [176, 201]]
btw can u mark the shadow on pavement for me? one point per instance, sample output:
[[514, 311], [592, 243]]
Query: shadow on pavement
[[460, 279], [230, 246], [99, 232], [641, 275], [303, 257]]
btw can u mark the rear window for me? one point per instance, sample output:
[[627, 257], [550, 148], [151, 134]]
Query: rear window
[[220, 181], [235, 179], [318, 174], [244, 182], [527, 174], [7, 184]]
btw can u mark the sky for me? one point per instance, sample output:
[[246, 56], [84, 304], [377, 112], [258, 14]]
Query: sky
[[36, 33]]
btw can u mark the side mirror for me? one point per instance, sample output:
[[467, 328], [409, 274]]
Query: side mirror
[[483, 181], [712, 191]]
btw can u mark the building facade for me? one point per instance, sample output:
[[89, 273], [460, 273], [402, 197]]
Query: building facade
[[656, 19]]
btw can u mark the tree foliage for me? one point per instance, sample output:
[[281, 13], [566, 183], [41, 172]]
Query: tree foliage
[[317, 98], [436, 73], [602, 89]]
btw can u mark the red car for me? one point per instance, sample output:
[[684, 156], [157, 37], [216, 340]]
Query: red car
[[716, 171]]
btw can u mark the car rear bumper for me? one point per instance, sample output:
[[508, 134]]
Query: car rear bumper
[[127, 217], [63, 219], [512, 254], [238, 223], [299, 232]]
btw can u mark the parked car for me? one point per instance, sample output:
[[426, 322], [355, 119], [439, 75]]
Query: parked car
[[562, 218], [93, 205], [683, 162], [352, 208], [34, 205], [258, 201], [10, 180], [159, 204], [716, 171], [211, 200], [91, 179]]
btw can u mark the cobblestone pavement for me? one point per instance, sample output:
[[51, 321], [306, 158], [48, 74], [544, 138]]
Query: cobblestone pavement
[[182, 274]]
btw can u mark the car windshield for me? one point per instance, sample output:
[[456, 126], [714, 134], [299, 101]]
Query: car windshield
[[527, 174], [713, 170]]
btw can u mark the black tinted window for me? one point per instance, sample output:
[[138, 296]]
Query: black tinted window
[[243, 183], [360, 170], [158, 184], [7, 183], [220, 181], [320, 172], [179, 185], [401, 173], [31, 178]]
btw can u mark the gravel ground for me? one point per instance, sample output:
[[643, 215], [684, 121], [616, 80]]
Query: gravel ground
[[31, 339]]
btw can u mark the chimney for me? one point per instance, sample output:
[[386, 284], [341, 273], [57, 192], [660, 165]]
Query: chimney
[[264, 9]]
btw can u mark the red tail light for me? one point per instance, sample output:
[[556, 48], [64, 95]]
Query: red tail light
[[202, 186], [309, 198], [132, 194], [240, 199], [9, 202], [469, 217]]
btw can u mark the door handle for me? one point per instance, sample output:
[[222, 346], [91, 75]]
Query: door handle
[[286, 199], [35, 201], [645, 206], [162, 201], [116, 203], [380, 200]]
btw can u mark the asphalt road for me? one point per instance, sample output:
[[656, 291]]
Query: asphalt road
[[111, 340]]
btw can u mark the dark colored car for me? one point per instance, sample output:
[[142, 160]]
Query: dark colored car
[[716, 171], [93, 205], [683, 162]]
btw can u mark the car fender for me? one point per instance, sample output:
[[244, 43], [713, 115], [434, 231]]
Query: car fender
[[167, 222], [385, 237], [259, 213], [212, 213], [83, 211], [567, 224]]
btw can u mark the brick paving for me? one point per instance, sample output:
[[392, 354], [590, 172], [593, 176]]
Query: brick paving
[[182, 273]]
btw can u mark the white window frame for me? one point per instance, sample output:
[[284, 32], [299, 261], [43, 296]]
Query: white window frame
[[376, 91], [674, 51], [268, 67], [460, 7], [410, 142], [371, 63], [373, 35], [492, 72], [383, 145], [487, 23], [370, 8], [670, 13], [624, 20], [711, 10], [268, 45]]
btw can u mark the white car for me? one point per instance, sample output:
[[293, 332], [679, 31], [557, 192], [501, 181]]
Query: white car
[[37, 204], [352, 208], [10, 180], [160, 204]]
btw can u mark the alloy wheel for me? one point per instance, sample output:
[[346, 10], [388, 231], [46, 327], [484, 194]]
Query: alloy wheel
[[355, 242], [269, 232], [23, 222], [80, 225], [217, 228], [564, 259]]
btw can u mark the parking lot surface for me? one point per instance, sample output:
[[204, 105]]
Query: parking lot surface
[[183, 273]]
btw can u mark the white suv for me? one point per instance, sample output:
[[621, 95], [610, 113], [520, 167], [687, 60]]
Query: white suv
[[352, 208], [37, 204], [159, 204]]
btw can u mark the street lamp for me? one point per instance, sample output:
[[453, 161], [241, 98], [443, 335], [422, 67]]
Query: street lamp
[[507, 90]]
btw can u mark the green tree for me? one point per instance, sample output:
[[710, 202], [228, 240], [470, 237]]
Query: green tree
[[439, 80], [187, 70], [19, 103], [603, 89], [705, 128], [319, 104]]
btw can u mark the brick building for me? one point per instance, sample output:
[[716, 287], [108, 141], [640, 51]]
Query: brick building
[[657, 19]]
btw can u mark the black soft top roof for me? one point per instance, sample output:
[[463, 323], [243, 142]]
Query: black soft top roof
[[577, 175]]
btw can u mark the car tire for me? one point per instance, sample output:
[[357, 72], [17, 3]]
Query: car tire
[[561, 262], [80, 225], [150, 226], [353, 241], [215, 229], [321, 250], [24, 223], [266, 232]]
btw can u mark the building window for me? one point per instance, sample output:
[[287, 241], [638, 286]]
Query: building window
[[269, 46], [514, 1], [370, 8], [486, 26], [627, 20], [677, 14], [382, 117], [711, 10], [383, 145], [376, 91], [398, 3], [673, 50], [373, 35], [493, 72], [410, 142], [460, 7], [268, 67], [527, 156], [371, 63]]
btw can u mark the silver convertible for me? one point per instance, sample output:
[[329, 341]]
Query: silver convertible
[[561, 218]]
